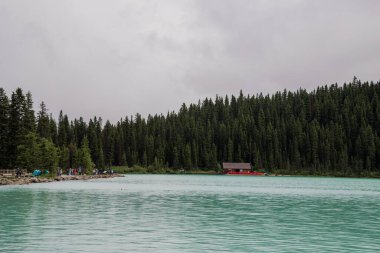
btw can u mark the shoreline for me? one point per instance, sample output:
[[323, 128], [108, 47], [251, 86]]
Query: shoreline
[[214, 173], [31, 180]]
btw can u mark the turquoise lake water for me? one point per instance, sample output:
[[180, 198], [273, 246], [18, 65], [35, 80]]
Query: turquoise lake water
[[191, 213]]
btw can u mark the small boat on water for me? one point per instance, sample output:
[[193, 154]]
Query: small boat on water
[[240, 169]]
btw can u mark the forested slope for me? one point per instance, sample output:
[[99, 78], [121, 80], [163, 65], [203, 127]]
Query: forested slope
[[333, 130]]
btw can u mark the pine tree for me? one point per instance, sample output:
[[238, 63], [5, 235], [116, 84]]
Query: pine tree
[[4, 128], [43, 123], [64, 158], [175, 163], [187, 157], [17, 131], [53, 130], [108, 143], [73, 156], [29, 117], [63, 130], [28, 153], [85, 157], [101, 163], [48, 159]]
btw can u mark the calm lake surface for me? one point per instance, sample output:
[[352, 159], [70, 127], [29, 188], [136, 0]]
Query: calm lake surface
[[191, 213]]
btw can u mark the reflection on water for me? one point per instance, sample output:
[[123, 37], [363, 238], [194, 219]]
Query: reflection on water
[[169, 213]]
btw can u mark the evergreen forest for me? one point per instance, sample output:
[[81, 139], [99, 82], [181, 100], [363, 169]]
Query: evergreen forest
[[332, 130]]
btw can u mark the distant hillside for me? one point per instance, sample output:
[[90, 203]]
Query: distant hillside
[[332, 130]]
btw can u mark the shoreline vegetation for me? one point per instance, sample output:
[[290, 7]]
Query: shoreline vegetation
[[168, 171], [330, 131], [120, 171], [30, 180]]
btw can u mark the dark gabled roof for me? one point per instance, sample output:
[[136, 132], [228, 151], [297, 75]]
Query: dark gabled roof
[[237, 166]]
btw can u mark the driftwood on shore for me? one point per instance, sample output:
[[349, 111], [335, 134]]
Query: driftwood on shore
[[29, 180]]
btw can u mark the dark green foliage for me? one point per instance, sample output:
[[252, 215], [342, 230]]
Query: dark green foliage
[[108, 144], [37, 153], [28, 153], [4, 128], [16, 127], [329, 131], [64, 158], [64, 131], [43, 122], [48, 159], [29, 117], [84, 157], [53, 130]]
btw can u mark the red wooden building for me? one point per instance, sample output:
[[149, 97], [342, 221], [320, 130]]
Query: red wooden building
[[240, 169]]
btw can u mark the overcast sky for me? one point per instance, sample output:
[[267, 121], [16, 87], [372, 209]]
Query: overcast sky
[[117, 58]]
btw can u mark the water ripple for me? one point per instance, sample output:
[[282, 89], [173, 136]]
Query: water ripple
[[156, 213]]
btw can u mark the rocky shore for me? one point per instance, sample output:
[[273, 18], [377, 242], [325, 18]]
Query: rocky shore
[[29, 180]]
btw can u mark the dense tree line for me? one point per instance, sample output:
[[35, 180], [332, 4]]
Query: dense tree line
[[333, 130], [31, 142]]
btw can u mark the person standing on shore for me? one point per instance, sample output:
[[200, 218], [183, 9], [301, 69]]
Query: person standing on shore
[[18, 172]]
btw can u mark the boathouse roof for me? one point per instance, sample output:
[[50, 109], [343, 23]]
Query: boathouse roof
[[246, 166]]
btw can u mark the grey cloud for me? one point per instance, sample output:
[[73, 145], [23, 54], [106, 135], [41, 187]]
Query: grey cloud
[[117, 58]]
